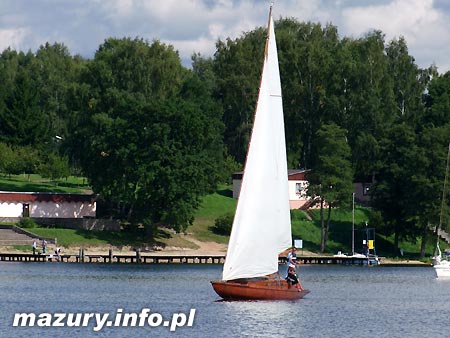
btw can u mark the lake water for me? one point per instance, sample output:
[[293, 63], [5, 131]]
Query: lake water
[[345, 301]]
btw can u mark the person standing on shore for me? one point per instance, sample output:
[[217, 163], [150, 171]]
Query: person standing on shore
[[44, 246], [58, 253], [34, 247]]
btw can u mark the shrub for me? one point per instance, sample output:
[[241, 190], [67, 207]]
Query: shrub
[[27, 223], [223, 224]]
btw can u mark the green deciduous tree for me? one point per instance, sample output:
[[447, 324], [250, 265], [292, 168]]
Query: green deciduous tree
[[56, 73], [6, 158], [18, 160], [148, 133], [308, 67], [331, 180], [428, 180], [237, 66], [393, 190], [438, 101], [23, 122], [54, 167]]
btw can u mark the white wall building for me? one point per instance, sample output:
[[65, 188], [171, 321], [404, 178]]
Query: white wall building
[[297, 188], [46, 205]]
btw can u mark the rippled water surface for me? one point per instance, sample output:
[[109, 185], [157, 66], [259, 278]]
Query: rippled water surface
[[345, 301]]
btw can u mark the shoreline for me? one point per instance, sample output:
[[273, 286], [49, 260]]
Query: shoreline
[[174, 255], [205, 249]]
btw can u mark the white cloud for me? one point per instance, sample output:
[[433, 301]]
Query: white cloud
[[425, 28], [186, 48], [122, 7], [12, 38], [195, 25], [406, 17]]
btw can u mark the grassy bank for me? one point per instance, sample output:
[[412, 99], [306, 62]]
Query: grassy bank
[[35, 183], [305, 226], [340, 236], [212, 207]]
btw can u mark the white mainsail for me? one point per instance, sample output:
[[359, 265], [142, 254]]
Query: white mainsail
[[262, 226]]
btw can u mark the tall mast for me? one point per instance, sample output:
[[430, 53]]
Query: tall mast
[[444, 192], [266, 49]]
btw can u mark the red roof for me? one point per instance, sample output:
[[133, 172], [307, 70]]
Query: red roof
[[44, 197]]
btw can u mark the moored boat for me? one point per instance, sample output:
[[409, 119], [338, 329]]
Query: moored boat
[[442, 268], [441, 264]]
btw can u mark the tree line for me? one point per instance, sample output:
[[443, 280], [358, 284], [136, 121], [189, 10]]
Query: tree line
[[153, 136]]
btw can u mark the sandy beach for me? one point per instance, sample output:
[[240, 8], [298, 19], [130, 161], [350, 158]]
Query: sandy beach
[[203, 248]]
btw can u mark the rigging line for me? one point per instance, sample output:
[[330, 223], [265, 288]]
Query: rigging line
[[445, 188], [441, 216]]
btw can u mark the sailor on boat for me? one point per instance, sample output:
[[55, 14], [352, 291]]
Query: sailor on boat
[[291, 258], [292, 277]]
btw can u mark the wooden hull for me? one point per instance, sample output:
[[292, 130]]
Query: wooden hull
[[268, 289]]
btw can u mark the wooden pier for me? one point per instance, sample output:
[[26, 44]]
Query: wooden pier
[[19, 257], [179, 258], [110, 258], [345, 260], [159, 258]]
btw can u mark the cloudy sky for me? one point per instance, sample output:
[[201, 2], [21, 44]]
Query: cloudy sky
[[195, 25]]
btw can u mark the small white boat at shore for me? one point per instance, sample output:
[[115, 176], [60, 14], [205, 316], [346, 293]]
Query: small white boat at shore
[[442, 269], [359, 259], [442, 265]]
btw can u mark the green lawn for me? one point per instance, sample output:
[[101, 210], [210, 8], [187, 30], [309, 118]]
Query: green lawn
[[81, 237], [340, 236], [213, 206], [35, 183]]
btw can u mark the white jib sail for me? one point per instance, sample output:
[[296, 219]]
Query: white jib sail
[[262, 225]]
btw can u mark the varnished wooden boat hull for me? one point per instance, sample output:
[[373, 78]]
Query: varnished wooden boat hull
[[258, 290]]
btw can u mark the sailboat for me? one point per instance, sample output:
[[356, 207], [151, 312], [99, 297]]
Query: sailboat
[[261, 226], [442, 266]]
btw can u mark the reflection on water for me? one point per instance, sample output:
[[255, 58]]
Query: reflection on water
[[345, 301]]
